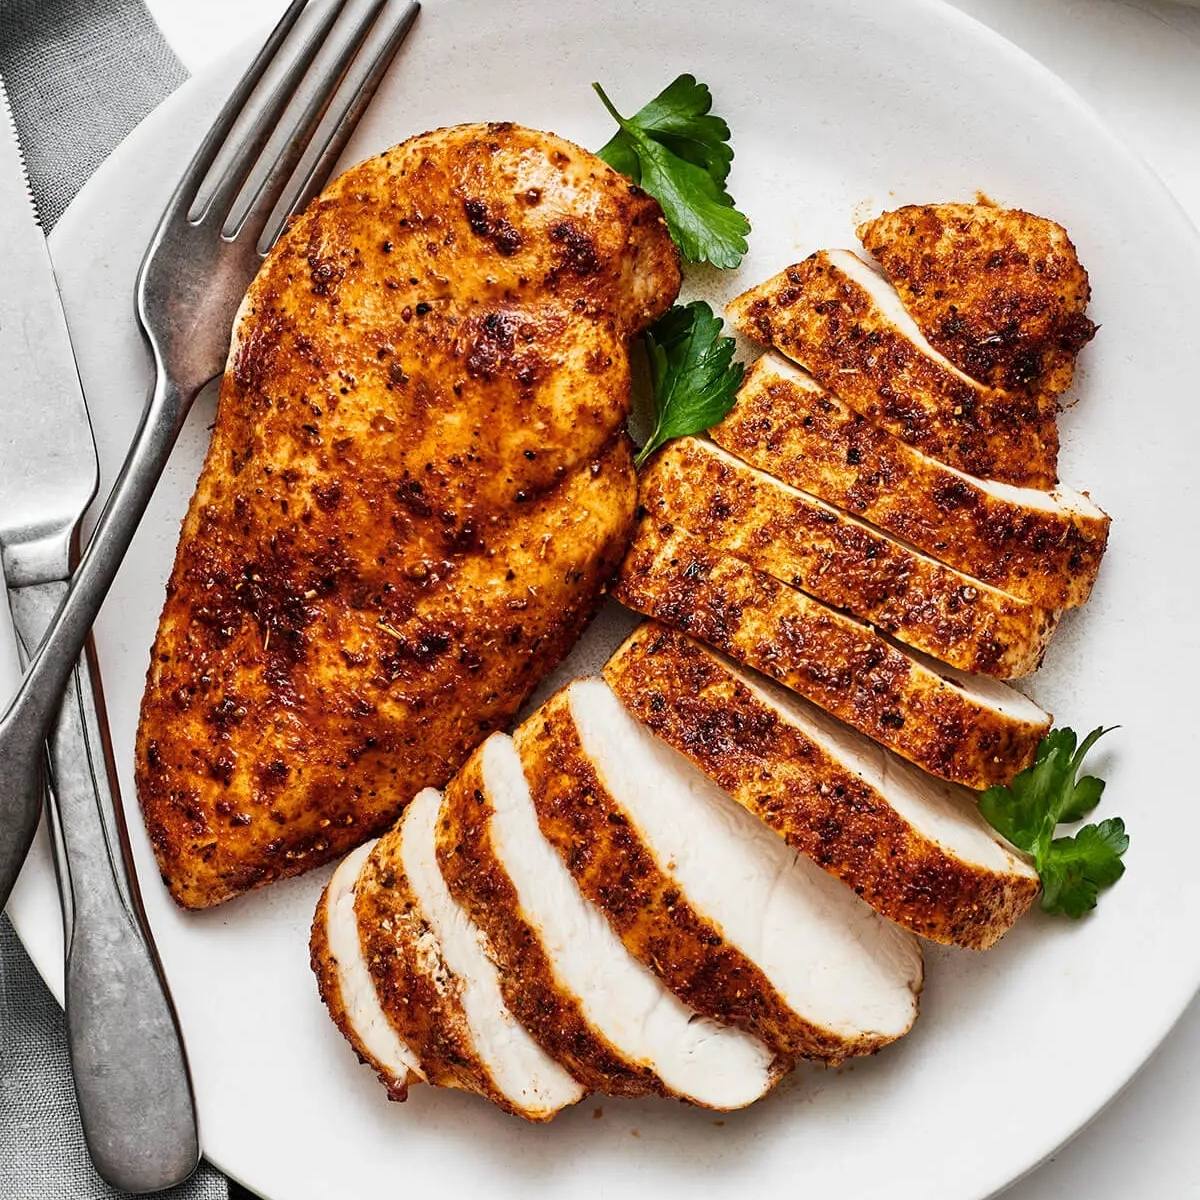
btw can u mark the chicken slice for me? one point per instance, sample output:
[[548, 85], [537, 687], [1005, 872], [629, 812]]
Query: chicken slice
[[437, 983], [565, 974], [840, 320], [1000, 292], [737, 924], [740, 510], [345, 983], [913, 847], [965, 728], [1045, 547]]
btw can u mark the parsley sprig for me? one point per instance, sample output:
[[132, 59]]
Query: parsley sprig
[[679, 151], [692, 371], [1075, 869]]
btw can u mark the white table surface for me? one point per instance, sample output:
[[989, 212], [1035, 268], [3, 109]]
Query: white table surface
[[1138, 63]]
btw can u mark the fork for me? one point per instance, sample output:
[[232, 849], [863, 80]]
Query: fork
[[263, 160]]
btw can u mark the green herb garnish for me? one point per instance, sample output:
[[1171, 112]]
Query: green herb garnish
[[679, 152], [692, 371], [1075, 869]]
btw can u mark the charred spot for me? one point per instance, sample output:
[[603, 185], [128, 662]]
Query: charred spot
[[226, 714], [952, 494], [1075, 331], [500, 232], [325, 274], [492, 344], [273, 774], [222, 767], [577, 250], [328, 495], [411, 495]]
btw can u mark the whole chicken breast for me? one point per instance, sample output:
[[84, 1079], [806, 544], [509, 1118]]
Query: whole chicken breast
[[418, 484]]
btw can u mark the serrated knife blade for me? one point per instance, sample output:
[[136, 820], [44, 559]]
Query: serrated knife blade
[[48, 471]]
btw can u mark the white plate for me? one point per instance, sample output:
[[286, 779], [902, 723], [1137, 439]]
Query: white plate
[[838, 109]]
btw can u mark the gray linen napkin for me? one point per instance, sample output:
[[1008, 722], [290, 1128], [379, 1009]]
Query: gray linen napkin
[[79, 75]]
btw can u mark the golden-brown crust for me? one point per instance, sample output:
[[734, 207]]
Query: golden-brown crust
[[816, 314], [810, 439], [1000, 292], [841, 665], [415, 990], [843, 562], [325, 968], [645, 906], [685, 695], [478, 881], [417, 485]]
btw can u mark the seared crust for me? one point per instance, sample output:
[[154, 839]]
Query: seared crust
[[810, 439], [417, 486], [619, 874], [1000, 292], [414, 988], [845, 563], [685, 694], [816, 314], [478, 881], [838, 663], [325, 968], [379, 705]]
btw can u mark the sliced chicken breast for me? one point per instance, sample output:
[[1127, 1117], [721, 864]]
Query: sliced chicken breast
[[913, 847], [966, 728], [738, 509], [564, 972], [1045, 547], [437, 983], [737, 924], [998, 291], [840, 320], [346, 986]]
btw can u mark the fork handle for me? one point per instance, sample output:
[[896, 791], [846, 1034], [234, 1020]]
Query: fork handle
[[131, 1075]]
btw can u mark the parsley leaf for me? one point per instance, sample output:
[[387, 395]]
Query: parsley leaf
[[679, 152], [693, 373], [1075, 869]]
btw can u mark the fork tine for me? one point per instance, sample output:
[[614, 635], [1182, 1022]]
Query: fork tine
[[204, 157], [349, 103], [214, 201], [296, 124]]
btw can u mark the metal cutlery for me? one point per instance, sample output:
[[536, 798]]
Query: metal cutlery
[[270, 149], [131, 1074]]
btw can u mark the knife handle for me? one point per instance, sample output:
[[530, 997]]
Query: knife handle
[[132, 1083]]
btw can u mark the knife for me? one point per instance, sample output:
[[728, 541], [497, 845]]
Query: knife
[[131, 1075]]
